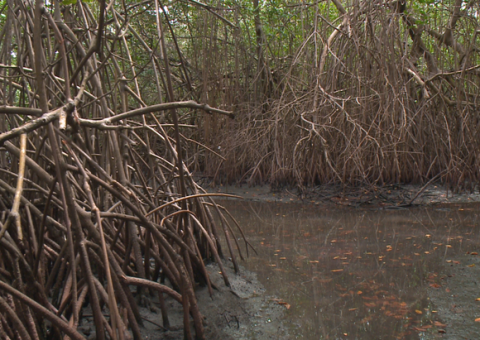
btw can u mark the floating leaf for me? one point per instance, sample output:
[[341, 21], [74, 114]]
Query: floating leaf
[[327, 280]]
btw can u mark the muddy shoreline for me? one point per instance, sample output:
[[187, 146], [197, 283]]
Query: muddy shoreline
[[242, 311], [390, 196]]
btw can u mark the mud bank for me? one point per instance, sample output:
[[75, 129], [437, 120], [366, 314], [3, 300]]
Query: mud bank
[[381, 197], [242, 311]]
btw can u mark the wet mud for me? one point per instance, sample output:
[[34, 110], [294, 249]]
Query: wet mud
[[242, 311]]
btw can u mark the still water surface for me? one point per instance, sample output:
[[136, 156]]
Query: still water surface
[[356, 273]]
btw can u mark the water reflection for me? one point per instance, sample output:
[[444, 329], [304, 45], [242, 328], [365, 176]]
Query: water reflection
[[352, 273]]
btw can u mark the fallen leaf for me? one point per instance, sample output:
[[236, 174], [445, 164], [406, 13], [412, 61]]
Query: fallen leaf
[[435, 285], [439, 324], [283, 258], [352, 309], [325, 280], [474, 253], [337, 270], [286, 304], [441, 331], [359, 292], [472, 265], [314, 261], [477, 320], [477, 299], [418, 311]]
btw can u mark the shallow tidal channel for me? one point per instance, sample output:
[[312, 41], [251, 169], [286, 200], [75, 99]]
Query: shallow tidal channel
[[351, 273]]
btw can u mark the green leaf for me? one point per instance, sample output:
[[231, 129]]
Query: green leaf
[[69, 2]]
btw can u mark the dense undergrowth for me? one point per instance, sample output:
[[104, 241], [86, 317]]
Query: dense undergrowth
[[350, 92]]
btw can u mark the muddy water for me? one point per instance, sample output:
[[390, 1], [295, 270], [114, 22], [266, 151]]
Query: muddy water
[[357, 273]]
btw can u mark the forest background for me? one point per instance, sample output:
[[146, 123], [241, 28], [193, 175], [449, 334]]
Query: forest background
[[351, 92], [110, 108]]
